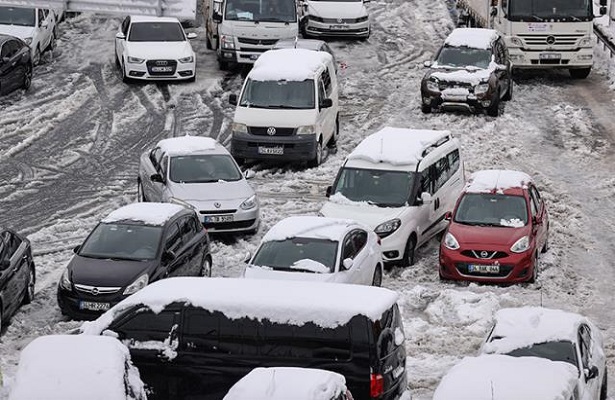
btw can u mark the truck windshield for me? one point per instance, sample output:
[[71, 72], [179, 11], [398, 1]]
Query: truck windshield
[[279, 94], [548, 10], [261, 10], [17, 16], [375, 186]]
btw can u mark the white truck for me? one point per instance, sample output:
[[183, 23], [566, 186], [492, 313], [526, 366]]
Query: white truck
[[539, 33], [241, 30]]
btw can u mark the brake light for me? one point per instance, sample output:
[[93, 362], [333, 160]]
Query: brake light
[[376, 385]]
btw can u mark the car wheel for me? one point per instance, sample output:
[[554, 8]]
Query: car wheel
[[494, 109], [604, 387], [318, 158], [36, 60], [52, 42], [336, 132], [29, 293], [1, 316], [27, 78], [117, 62], [534, 276], [125, 78], [140, 192], [579, 73], [205, 267], [409, 252], [377, 279], [509, 93], [207, 41], [426, 108]]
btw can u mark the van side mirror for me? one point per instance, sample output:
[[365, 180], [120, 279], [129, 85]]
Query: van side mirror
[[217, 17], [448, 216], [328, 191], [426, 198], [157, 178], [191, 35], [494, 12], [591, 373], [120, 35], [232, 98], [536, 220], [249, 174], [76, 249], [326, 103], [347, 264]]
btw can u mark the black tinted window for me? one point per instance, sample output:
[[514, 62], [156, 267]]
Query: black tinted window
[[146, 325], [173, 238]]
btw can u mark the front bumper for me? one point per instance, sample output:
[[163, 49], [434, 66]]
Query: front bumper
[[393, 247], [282, 148], [469, 102], [548, 59], [70, 303], [150, 70], [334, 28], [230, 221]]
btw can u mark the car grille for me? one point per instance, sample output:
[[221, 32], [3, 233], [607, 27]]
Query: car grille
[[257, 42], [339, 20], [264, 131], [551, 40], [212, 212], [152, 65], [96, 290], [229, 225], [504, 271], [484, 254]]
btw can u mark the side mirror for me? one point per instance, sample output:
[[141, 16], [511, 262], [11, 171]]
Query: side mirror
[[536, 220], [591, 373], [168, 256], [76, 249], [603, 10], [156, 178], [426, 198], [191, 35], [110, 333], [5, 60], [427, 64], [326, 103], [232, 98], [494, 12], [448, 216], [217, 17], [347, 264], [247, 257], [249, 174], [44, 24], [328, 191], [120, 35]]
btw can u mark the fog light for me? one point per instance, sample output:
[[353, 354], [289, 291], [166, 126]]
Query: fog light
[[516, 57], [228, 55], [391, 254], [426, 100], [485, 103]]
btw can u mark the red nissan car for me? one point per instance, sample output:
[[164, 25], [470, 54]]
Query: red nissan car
[[499, 225]]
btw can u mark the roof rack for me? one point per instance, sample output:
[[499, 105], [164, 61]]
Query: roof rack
[[434, 146]]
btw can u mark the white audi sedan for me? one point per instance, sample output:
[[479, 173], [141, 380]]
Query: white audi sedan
[[318, 249], [154, 48]]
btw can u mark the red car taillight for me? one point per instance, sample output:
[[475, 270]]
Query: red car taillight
[[376, 385]]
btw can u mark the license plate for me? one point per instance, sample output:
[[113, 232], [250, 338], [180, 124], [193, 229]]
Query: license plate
[[94, 306], [218, 218], [549, 56], [488, 269], [278, 150], [339, 27], [162, 69]]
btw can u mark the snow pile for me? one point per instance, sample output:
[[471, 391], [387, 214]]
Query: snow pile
[[186, 145], [513, 223], [310, 265], [473, 77], [476, 38], [289, 65], [310, 227], [495, 180], [147, 213]]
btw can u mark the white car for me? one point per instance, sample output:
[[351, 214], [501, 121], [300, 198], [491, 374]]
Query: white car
[[35, 26], [348, 18], [154, 48], [318, 249], [556, 335], [199, 173]]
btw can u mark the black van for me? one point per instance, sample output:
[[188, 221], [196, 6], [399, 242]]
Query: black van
[[193, 338]]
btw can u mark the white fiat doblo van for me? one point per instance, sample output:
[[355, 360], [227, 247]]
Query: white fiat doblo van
[[399, 182], [288, 108]]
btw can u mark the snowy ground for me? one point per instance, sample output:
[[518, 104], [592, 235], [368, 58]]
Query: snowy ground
[[70, 147]]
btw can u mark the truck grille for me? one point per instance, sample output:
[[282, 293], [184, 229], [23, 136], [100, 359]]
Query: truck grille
[[257, 42], [271, 131], [551, 40]]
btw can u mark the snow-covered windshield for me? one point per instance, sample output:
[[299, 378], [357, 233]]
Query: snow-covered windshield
[[122, 241], [492, 210], [378, 187], [156, 32], [279, 94], [462, 57], [546, 10], [17, 16], [261, 10], [203, 168], [290, 254], [555, 351]]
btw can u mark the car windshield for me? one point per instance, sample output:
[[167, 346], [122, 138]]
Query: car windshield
[[17, 16], [279, 94], [261, 10], [492, 210], [378, 187], [203, 169], [548, 10], [462, 57], [156, 32], [562, 350], [283, 254], [122, 241]]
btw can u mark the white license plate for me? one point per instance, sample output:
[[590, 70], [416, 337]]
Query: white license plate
[[488, 269], [162, 69], [94, 306], [278, 150], [549, 56], [218, 218], [339, 27]]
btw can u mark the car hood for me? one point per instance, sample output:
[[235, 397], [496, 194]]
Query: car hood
[[459, 75], [159, 50], [487, 235], [274, 117], [231, 193], [107, 273], [369, 215], [21, 32], [337, 9], [255, 272], [266, 30]]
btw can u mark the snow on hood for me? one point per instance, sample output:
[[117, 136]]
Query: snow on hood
[[288, 302], [21, 32], [473, 77], [159, 50], [476, 38], [337, 9], [512, 223], [500, 377], [203, 195], [284, 383], [309, 226], [289, 65], [496, 180], [310, 265], [184, 145], [156, 214], [371, 216]]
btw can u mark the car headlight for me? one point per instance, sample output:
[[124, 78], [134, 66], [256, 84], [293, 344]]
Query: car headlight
[[450, 242], [181, 202], [28, 40], [306, 130], [134, 60], [137, 285], [227, 42], [249, 203], [521, 245], [481, 88], [433, 86], [186, 60], [239, 128], [386, 228], [65, 280], [516, 41], [586, 42]]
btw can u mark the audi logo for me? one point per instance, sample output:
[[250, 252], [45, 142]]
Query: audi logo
[[550, 39], [271, 131], [161, 62]]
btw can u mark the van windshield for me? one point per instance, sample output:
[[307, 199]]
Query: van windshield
[[261, 10], [549, 10], [492, 210], [375, 186], [17, 16], [279, 94]]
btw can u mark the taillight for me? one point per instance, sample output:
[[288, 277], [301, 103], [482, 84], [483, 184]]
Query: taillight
[[376, 385]]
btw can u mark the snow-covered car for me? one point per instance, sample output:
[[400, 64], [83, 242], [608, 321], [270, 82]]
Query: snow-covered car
[[154, 48], [309, 44], [502, 377], [472, 71], [199, 173], [76, 367], [348, 18], [555, 335], [35, 26], [285, 383], [319, 249], [15, 64]]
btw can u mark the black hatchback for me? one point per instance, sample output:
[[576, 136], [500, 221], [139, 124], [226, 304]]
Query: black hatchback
[[15, 64], [130, 248]]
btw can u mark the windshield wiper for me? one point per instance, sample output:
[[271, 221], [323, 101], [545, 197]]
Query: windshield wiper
[[538, 18], [282, 106]]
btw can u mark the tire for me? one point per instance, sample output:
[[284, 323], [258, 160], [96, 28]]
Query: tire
[[534, 276], [509, 93], [140, 193], [36, 59], [27, 79], [545, 247], [426, 108], [1, 320], [409, 252], [52, 42], [117, 62], [377, 279], [579, 73], [494, 109], [29, 293], [206, 267], [223, 65], [336, 132], [318, 158], [125, 78], [604, 387], [207, 41]]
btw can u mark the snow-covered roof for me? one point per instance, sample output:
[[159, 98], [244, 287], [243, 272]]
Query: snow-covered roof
[[517, 328], [147, 18], [310, 227], [288, 64], [73, 367], [496, 180], [476, 38], [285, 383], [310, 44], [501, 377], [183, 145], [156, 214], [293, 302], [397, 146]]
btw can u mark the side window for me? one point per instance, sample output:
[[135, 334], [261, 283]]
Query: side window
[[535, 196], [173, 238], [14, 47], [348, 250], [326, 79], [163, 165], [427, 184], [442, 173], [188, 228], [359, 239], [155, 156], [322, 93], [125, 25], [4, 52], [4, 246], [146, 325], [584, 344], [453, 162], [534, 206], [41, 17]]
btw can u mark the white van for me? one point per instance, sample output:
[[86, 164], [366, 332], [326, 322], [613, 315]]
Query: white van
[[399, 182], [288, 108]]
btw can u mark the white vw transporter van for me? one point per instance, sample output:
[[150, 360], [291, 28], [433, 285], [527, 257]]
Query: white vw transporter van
[[399, 182], [287, 109]]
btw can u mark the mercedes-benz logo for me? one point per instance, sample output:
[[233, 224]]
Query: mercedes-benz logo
[[483, 254], [550, 39], [339, 20], [217, 205], [95, 291], [271, 131]]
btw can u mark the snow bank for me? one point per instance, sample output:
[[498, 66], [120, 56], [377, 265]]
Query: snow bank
[[186, 145], [148, 213], [496, 180], [288, 64], [476, 38]]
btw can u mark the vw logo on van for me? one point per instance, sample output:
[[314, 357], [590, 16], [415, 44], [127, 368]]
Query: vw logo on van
[[271, 131], [550, 39]]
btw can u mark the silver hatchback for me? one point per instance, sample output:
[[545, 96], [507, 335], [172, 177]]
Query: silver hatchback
[[199, 173]]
